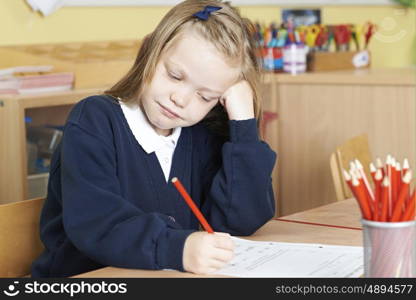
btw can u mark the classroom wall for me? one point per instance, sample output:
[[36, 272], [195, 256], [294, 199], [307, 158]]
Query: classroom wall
[[394, 45]]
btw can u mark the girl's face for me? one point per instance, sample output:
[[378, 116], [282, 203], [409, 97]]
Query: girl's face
[[189, 80]]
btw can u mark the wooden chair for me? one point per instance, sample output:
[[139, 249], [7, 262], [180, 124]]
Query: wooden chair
[[19, 237], [353, 148]]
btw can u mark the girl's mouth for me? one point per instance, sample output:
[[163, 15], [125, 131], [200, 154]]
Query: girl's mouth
[[168, 113]]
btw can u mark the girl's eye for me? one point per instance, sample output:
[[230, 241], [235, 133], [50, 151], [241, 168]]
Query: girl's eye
[[174, 77], [203, 98], [208, 100]]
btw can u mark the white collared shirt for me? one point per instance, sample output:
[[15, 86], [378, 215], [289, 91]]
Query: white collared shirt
[[147, 137]]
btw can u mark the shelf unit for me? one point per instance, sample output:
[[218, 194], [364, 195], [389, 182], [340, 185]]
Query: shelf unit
[[47, 108]]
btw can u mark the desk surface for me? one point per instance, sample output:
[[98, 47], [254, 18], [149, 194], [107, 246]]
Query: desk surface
[[344, 213]]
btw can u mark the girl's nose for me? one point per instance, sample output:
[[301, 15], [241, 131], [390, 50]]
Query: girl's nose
[[180, 100]]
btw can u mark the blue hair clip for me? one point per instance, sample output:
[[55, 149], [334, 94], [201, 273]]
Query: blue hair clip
[[206, 12]]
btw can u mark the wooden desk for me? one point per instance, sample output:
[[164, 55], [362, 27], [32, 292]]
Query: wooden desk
[[342, 213], [277, 231]]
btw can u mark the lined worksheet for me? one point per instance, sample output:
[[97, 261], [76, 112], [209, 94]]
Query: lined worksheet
[[273, 259]]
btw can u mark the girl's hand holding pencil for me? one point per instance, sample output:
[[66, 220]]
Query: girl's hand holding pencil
[[204, 252]]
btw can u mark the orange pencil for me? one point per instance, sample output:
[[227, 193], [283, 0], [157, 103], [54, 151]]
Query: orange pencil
[[409, 213], [192, 205], [361, 197], [399, 178], [365, 189], [377, 182], [373, 171], [384, 200], [388, 173], [393, 182], [406, 167], [347, 178], [353, 168], [379, 165], [395, 217], [367, 186]]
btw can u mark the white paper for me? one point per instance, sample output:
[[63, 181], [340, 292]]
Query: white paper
[[272, 259]]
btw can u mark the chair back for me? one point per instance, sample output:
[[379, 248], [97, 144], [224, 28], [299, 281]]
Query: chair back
[[354, 148], [20, 242]]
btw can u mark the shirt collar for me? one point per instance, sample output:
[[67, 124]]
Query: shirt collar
[[145, 135]]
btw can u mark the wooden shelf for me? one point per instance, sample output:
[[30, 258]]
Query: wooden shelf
[[390, 77], [45, 108], [50, 99], [94, 64]]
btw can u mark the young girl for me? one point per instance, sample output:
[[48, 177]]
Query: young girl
[[188, 108]]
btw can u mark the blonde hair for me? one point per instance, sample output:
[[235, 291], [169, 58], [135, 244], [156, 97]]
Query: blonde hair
[[226, 29]]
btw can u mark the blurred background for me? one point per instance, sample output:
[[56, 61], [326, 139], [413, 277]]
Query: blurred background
[[393, 45], [319, 91]]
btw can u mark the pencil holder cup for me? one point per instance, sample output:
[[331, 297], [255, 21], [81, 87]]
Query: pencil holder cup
[[389, 249], [294, 58]]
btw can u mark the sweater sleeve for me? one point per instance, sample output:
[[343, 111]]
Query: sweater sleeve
[[237, 179], [99, 221]]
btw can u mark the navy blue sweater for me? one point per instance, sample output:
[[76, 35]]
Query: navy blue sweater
[[109, 204]]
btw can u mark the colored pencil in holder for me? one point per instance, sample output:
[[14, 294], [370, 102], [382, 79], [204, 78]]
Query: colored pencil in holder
[[362, 198], [400, 202]]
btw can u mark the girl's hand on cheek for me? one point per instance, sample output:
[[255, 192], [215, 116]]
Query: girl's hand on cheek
[[238, 101]]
